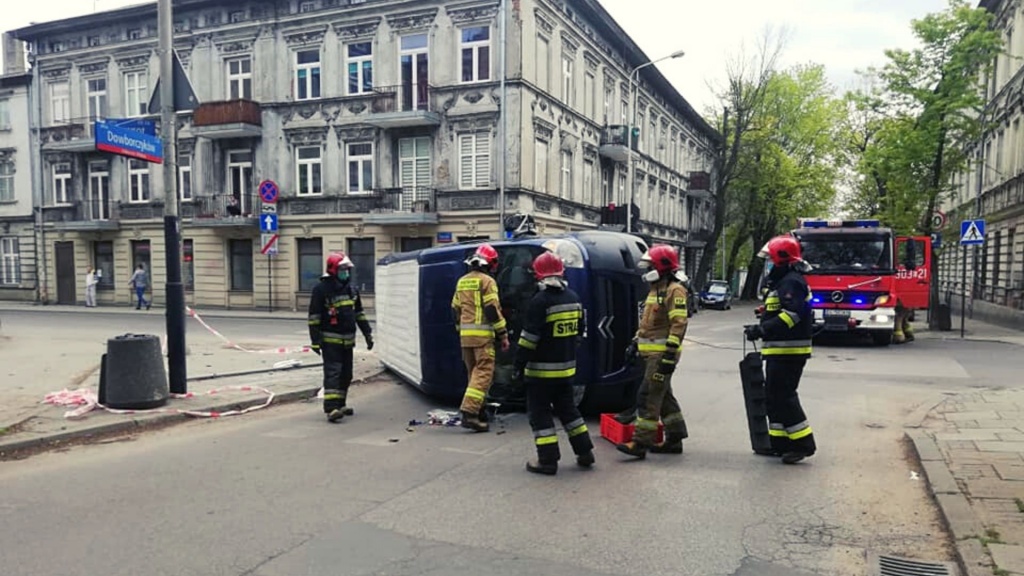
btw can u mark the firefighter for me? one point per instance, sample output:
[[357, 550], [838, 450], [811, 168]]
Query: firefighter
[[335, 310], [658, 341], [902, 332], [546, 359], [786, 328], [477, 311]]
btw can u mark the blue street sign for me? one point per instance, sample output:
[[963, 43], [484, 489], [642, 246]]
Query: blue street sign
[[972, 232], [936, 240], [269, 191], [268, 223], [134, 142], [443, 237]]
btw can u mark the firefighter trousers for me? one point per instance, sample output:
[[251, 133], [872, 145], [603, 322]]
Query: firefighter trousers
[[788, 428], [337, 375], [479, 363], [654, 401], [545, 400]]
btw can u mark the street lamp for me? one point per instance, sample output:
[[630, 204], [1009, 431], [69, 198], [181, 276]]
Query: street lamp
[[634, 87]]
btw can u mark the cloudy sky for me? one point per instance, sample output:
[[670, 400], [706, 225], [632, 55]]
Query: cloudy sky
[[844, 35]]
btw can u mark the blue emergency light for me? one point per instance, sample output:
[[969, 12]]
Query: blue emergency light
[[810, 223]]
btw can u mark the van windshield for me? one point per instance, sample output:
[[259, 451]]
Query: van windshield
[[849, 254]]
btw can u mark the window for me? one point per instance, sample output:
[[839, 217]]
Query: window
[[414, 70], [307, 7], [307, 159], [60, 102], [5, 115], [61, 183], [188, 268], [237, 16], [136, 95], [240, 78], [311, 262], [103, 257], [307, 74], [6, 180], [625, 112], [589, 198], [98, 202], [476, 54], [135, 34], [364, 258], [565, 178], [360, 167], [96, 94], [10, 261], [360, 68], [185, 177], [474, 160], [138, 179], [641, 141], [241, 264], [589, 95], [413, 166], [567, 85], [543, 64], [609, 95], [541, 165], [240, 179]]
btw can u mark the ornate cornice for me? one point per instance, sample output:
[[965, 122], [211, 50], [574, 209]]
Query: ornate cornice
[[306, 37], [349, 30], [543, 128], [545, 22], [306, 136], [417, 20], [570, 43], [94, 67], [357, 133], [474, 12], [133, 62]]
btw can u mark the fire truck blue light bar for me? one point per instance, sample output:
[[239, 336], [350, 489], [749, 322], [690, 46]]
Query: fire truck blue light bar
[[840, 223]]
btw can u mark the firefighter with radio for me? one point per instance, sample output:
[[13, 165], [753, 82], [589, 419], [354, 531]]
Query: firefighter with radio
[[786, 328], [477, 311], [335, 311], [546, 360], [658, 342]]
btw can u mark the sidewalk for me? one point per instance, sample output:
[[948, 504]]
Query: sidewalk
[[975, 330], [263, 314]]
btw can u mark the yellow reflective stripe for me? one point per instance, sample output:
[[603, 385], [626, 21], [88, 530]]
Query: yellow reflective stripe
[[478, 310], [785, 317], [582, 428], [772, 300], [644, 424], [475, 394], [677, 313], [546, 440], [523, 343], [673, 340], [314, 322], [651, 300], [800, 434], [332, 396], [360, 317], [500, 324], [549, 373], [476, 332], [785, 351], [492, 297], [342, 303], [651, 347], [467, 284], [562, 316], [777, 433]]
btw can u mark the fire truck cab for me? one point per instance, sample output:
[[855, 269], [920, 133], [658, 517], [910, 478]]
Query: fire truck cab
[[860, 273]]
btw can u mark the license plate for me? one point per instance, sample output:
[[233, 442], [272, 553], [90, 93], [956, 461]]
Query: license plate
[[833, 313]]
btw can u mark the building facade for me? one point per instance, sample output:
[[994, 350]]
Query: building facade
[[379, 120], [993, 189], [17, 226]]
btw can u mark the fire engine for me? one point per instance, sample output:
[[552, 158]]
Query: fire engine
[[859, 272]]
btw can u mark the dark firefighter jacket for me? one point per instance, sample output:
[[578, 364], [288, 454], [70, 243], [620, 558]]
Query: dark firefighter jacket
[[552, 329], [788, 319], [335, 310]]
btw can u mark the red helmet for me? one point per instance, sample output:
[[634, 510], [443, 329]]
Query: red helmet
[[547, 265], [484, 257], [783, 250], [338, 261], [662, 258]]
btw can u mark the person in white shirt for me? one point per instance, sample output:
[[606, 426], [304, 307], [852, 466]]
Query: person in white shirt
[[91, 280]]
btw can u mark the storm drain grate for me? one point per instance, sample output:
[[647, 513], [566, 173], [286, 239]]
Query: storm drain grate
[[895, 566]]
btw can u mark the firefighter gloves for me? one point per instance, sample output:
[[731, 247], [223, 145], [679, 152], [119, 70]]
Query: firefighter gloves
[[753, 332], [369, 342]]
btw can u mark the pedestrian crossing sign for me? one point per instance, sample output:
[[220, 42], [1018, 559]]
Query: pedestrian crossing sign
[[972, 232]]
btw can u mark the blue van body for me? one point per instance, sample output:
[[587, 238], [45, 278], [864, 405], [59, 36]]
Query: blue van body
[[416, 330]]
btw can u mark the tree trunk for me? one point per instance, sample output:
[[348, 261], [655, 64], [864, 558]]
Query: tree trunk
[[734, 251], [936, 183], [755, 269]]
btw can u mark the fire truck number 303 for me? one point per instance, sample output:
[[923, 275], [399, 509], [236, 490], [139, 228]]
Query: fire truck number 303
[[915, 274]]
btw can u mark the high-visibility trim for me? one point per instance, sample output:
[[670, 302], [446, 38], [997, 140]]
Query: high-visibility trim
[[644, 424], [544, 432], [673, 341], [476, 330], [799, 351], [492, 297], [478, 309], [551, 365], [315, 322], [343, 303], [677, 313], [332, 396], [527, 344], [500, 325], [563, 316], [534, 373], [475, 394], [652, 300], [547, 440], [581, 429], [787, 319], [360, 317], [773, 307], [529, 336], [772, 299], [651, 344], [778, 433], [562, 308], [672, 418], [468, 284], [786, 343], [798, 431]]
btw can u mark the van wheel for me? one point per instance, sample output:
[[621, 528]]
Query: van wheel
[[882, 338]]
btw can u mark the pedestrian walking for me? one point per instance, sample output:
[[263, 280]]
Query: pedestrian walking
[[335, 311], [786, 328], [138, 282], [90, 287], [546, 361]]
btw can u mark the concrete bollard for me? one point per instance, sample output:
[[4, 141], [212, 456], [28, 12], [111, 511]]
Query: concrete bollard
[[132, 373]]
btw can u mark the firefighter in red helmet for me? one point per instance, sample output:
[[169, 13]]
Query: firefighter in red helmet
[[546, 360], [658, 341], [335, 311], [786, 327], [477, 311]]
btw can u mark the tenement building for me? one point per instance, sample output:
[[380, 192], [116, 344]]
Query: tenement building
[[18, 279], [387, 125]]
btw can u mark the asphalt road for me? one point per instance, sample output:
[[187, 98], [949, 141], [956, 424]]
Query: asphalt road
[[283, 493]]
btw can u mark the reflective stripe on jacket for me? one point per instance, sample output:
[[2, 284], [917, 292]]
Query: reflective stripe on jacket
[[552, 329], [787, 321], [477, 309], [664, 320]]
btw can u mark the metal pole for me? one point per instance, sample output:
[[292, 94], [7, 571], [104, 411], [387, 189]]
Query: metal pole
[[177, 373], [963, 293], [35, 103], [502, 31], [270, 285], [631, 168]]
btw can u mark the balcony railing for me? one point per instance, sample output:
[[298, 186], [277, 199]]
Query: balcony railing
[[411, 199], [407, 97], [700, 182], [91, 213], [71, 135], [221, 208], [617, 135], [228, 112]]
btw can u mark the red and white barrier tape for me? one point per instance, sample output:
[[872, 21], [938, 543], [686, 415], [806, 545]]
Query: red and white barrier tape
[[280, 350], [87, 401]]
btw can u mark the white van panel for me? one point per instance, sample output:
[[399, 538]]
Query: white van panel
[[398, 318]]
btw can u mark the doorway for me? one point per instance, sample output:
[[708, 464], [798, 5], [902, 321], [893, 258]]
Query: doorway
[[64, 257], [141, 255]]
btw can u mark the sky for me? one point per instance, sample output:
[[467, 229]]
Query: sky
[[843, 35]]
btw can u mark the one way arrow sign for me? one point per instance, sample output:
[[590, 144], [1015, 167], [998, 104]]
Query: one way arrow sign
[[268, 223]]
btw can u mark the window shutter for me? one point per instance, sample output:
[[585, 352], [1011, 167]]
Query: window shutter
[[466, 161], [483, 160]]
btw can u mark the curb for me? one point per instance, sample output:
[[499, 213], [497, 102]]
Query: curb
[[157, 420], [207, 313], [957, 515]]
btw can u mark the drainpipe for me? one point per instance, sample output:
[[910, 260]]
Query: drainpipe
[[503, 110], [35, 119]]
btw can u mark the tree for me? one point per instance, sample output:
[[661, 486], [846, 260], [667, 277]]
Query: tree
[[931, 101]]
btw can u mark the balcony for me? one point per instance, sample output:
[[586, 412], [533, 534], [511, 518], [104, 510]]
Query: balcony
[[403, 106], [615, 143], [229, 119], [83, 215], [412, 205], [698, 236], [141, 211], [221, 211], [700, 185], [75, 135]]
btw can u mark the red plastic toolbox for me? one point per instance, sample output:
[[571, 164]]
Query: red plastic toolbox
[[617, 433]]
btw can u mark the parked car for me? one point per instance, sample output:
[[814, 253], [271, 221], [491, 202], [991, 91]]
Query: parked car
[[717, 294]]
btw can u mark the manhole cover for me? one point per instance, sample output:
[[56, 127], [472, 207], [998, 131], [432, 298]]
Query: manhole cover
[[896, 566]]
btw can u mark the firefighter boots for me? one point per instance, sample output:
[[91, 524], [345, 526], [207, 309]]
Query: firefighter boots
[[585, 460], [673, 444], [472, 422], [537, 467], [335, 416], [794, 457], [347, 411], [633, 449]]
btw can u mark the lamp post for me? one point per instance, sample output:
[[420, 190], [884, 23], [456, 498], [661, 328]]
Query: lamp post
[[634, 88]]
